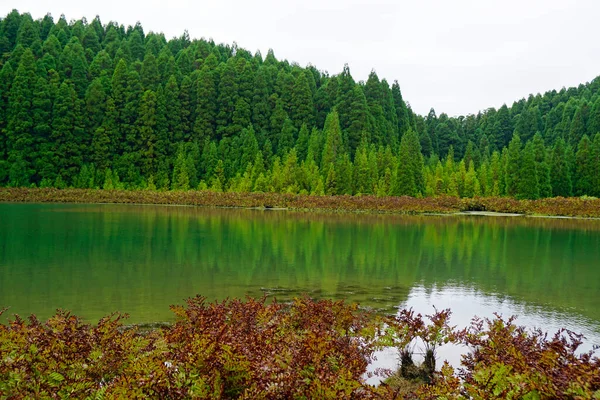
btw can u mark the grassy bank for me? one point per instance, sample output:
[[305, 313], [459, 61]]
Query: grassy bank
[[558, 206]]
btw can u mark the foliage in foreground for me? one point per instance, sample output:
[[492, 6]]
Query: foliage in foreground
[[309, 349]]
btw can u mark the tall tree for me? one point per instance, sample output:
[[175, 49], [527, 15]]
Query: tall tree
[[410, 180], [559, 170]]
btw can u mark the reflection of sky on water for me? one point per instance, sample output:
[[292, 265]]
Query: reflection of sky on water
[[467, 303]]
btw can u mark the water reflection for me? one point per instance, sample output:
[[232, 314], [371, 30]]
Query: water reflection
[[94, 259], [467, 303]]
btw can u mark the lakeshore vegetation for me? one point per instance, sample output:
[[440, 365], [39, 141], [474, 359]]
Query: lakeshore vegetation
[[307, 349], [90, 105]]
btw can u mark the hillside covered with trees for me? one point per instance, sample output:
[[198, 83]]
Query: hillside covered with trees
[[90, 105]]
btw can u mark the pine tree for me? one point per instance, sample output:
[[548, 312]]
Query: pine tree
[[149, 73], [541, 166], [528, 185], [261, 111], [227, 98], [41, 151], [595, 162], [185, 109], [6, 78], [593, 123], [559, 170], [302, 103], [502, 129], [302, 143], [344, 173], [410, 180], [181, 178], [401, 110], [147, 130], [472, 187], [74, 66], [362, 181], [333, 142], [206, 110], [286, 138], [67, 133], [20, 121], [578, 125], [584, 170], [513, 166]]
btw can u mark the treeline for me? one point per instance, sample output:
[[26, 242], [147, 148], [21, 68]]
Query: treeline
[[88, 105]]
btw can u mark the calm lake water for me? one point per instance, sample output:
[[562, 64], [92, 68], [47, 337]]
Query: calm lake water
[[95, 259]]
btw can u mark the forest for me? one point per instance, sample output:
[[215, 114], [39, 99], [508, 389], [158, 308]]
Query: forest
[[90, 105]]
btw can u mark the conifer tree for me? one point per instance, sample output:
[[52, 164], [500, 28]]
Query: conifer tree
[[502, 129], [42, 155], [302, 143], [578, 125], [541, 166], [181, 178], [227, 98], [185, 110], [559, 170], [593, 123], [67, 133], [584, 170], [286, 138], [206, 109], [147, 130], [528, 185], [410, 181], [20, 121], [344, 173], [149, 73], [302, 103], [261, 111], [361, 180], [513, 166], [333, 142]]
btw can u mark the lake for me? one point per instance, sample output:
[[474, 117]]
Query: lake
[[95, 259]]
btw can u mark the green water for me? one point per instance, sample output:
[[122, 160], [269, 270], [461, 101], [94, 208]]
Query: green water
[[95, 259]]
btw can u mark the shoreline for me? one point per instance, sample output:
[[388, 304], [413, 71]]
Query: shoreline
[[558, 207]]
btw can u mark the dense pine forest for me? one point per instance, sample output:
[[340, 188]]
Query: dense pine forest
[[90, 105]]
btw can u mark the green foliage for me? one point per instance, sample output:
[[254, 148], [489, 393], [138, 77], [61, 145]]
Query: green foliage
[[78, 93]]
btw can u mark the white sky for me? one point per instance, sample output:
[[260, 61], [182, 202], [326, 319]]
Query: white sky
[[458, 56]]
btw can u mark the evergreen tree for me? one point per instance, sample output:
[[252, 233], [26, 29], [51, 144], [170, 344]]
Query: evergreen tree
[[578, 125], [181, 178], [541, 166], [528, 185], [206, 110], [559, 170], [147, 130], [333, 142], [302, 143], [514, 167], [410, 180], [584, 170], [20, 121], [362, 181], [227, 98], [302, 103], [502, 129], [67, 133], [286, 138]]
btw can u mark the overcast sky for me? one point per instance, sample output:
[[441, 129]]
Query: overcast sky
[[458, 56]]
